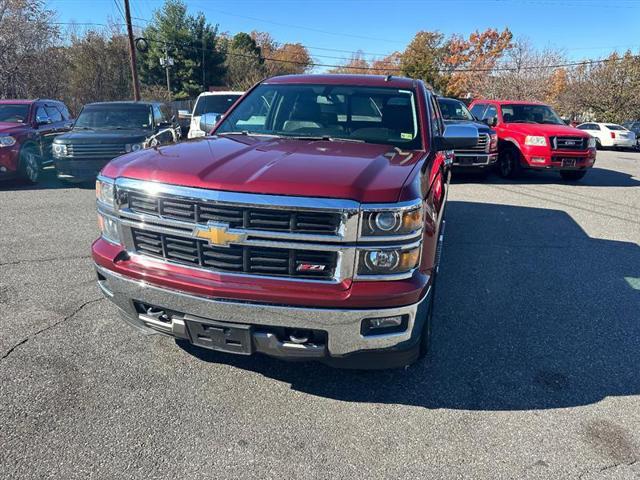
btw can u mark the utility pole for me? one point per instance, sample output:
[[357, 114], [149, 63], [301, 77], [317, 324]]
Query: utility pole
[[167, 62], [132, 53]]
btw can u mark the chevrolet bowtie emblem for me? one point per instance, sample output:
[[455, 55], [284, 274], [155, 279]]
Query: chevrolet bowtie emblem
[[218, 234]]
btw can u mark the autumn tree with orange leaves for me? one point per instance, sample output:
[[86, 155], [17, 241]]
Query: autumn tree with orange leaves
[[469, 62]]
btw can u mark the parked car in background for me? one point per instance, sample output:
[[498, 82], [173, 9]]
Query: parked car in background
[[533, 136], [609, 135], [210, 102], [484, 154], [107, 130], [311, 230], [27, 129], [635, 128]]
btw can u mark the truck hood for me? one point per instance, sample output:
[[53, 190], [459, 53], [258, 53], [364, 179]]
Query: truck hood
[[359, 171], [545, 129], [103, 136]]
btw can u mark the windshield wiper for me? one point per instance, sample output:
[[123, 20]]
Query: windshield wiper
[[325, 138], [249, 134]]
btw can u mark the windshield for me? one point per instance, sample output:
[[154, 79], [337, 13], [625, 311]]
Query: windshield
[[14, 113], [126, 117], [615, 127], [214, 103], [522, 113], [454, 109], [337, 112]]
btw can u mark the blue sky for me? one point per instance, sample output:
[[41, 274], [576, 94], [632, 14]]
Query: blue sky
[[330, 28]]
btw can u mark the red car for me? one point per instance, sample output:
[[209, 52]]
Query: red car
[[27, 129], [532, 136], [308, 226]]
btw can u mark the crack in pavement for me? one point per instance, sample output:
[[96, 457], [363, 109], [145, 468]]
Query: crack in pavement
[[49, 327], [40, 260], [608, 467]]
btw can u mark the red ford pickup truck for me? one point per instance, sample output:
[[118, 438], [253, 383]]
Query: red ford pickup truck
[[307, 226], [532, 136]]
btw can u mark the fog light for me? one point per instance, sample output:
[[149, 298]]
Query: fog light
[[3, 169], [538, 160], [382, 260], [382, 325]]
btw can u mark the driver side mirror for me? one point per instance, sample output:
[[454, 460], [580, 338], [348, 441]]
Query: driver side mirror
[[208, 121], [457, 137], [491, 121]]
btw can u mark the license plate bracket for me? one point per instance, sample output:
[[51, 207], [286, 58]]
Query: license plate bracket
[[220, 336]]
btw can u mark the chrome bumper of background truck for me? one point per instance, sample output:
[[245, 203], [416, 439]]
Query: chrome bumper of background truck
[[343, 327]]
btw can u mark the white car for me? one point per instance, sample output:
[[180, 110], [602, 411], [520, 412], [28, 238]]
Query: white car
[[210, 102], [609, 134]]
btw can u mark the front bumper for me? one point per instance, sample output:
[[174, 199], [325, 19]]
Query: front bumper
[[341, 326], [79, 170], [474, 160]]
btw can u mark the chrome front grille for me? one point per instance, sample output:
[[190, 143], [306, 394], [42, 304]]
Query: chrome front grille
[[300, 238], [236, 216], [95, 150], [481, 147], [287, 262], [568, 143]]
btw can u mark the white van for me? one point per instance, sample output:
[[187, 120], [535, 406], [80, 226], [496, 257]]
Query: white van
[[210, 102]]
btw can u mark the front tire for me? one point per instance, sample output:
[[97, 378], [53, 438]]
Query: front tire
[[30, 165], [509, 163], [572, 175]]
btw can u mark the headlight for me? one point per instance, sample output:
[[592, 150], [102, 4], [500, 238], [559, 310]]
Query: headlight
[[133, 147], [109, 228], [535, 141], [105, 192], [7, 141], [388, 261], [493, 142], [591, 143], [392, 222], [59, 149]]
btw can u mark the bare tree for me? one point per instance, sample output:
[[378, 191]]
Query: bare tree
[[524, 74], [28, 50]]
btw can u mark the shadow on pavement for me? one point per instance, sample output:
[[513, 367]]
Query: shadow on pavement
[[596, 177], [531, 313], [48, 181]]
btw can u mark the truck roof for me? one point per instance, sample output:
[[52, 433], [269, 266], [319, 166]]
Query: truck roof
[[503, 102], [345, 79], [125, 102], [222, 92], [19, 101]]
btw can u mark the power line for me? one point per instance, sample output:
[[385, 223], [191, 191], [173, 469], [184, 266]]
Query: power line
[[376, 69]]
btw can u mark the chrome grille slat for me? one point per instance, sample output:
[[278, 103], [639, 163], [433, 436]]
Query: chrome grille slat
[[95, 150], [568, 143], [481, 146], [249, 217], [260, 260]]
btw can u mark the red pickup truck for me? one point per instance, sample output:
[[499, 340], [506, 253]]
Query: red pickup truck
[[532, 136], [307, 226]]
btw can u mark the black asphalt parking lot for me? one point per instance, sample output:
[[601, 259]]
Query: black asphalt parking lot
[[534, 370]]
